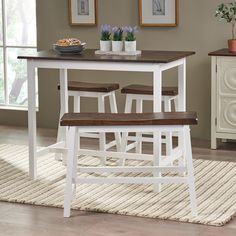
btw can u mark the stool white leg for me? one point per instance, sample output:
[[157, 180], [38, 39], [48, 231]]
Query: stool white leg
[[69, 175], [157, 157], [189, 162], [128, 109], [124, 139], [176, 102], [167, 104], [168, 135], [76, 103], [139, 109], [113, 106], [128, 104], [58, 156], [102, 136]]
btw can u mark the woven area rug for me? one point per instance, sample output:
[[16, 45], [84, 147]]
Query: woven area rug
[[215, 185]]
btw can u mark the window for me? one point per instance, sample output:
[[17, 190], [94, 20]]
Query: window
[[17, 36]]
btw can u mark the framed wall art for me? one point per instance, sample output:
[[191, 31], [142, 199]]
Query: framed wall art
[[83, 12], [158, 12]]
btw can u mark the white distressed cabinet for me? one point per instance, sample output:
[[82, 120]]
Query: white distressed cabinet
[[223, 96]]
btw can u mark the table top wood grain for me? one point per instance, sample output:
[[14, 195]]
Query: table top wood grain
[[223, 52], [89, 55]]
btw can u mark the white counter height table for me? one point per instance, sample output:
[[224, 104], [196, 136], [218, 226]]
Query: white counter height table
[[149, 61]]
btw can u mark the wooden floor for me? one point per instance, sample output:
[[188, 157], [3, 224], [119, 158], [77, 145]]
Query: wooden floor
[[28, 220]]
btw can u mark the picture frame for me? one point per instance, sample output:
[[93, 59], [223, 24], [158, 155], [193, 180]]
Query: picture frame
[[161, 13], [83, 12]]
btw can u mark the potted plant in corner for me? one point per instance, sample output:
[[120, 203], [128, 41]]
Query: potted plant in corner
[[227, 12], [117, 43], [105, 40], [130, 39]]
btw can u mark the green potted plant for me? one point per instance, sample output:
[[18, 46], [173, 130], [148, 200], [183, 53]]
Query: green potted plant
[[227, 12], [117, 40], [105, 40], [130, 38]]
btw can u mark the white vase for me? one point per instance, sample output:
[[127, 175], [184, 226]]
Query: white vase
[[117, 46], [130, 46], [105, 46]]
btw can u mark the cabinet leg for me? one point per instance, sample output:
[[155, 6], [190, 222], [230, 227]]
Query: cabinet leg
[[213, 143]]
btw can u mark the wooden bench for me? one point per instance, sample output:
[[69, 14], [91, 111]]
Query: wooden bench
[[145, 122]]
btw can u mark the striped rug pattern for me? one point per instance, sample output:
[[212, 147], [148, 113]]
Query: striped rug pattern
[[215, 185]]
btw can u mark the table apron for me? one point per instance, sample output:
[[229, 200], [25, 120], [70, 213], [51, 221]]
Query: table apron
[[104, 66]]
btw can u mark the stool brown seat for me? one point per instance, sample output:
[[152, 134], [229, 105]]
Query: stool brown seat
[[142, 122], [91, 87], [145, 89]]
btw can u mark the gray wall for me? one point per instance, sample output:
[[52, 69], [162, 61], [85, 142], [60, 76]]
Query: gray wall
[[198, 30]]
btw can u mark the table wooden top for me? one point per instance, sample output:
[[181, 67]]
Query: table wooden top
[[89, 55], [223, 52]]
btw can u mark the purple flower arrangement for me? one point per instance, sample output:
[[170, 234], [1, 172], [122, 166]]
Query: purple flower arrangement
[[117, 33], [105, 32], [130, 33]]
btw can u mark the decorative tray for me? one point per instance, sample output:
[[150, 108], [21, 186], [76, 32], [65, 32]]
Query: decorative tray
[[123, 53]]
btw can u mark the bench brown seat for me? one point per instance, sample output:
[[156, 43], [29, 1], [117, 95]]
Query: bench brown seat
[[91, 87], [148, 90], [109, 119]]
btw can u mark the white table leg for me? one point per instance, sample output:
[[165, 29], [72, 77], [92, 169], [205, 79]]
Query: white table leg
[[32, 120], [181, 100], [157, 88], [64, 102], [182, 86]]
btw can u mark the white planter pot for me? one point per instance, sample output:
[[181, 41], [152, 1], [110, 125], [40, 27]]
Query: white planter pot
[[117, 46], [130, 46], [105, 46]]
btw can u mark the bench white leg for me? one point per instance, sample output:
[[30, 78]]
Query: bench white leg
[[139, 109], [157, 157], [70, 167], [75, 160], [189, 163], [113, 106], [102, 136]]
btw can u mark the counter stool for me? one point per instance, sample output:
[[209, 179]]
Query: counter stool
[[140, 93], [93, 90]]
